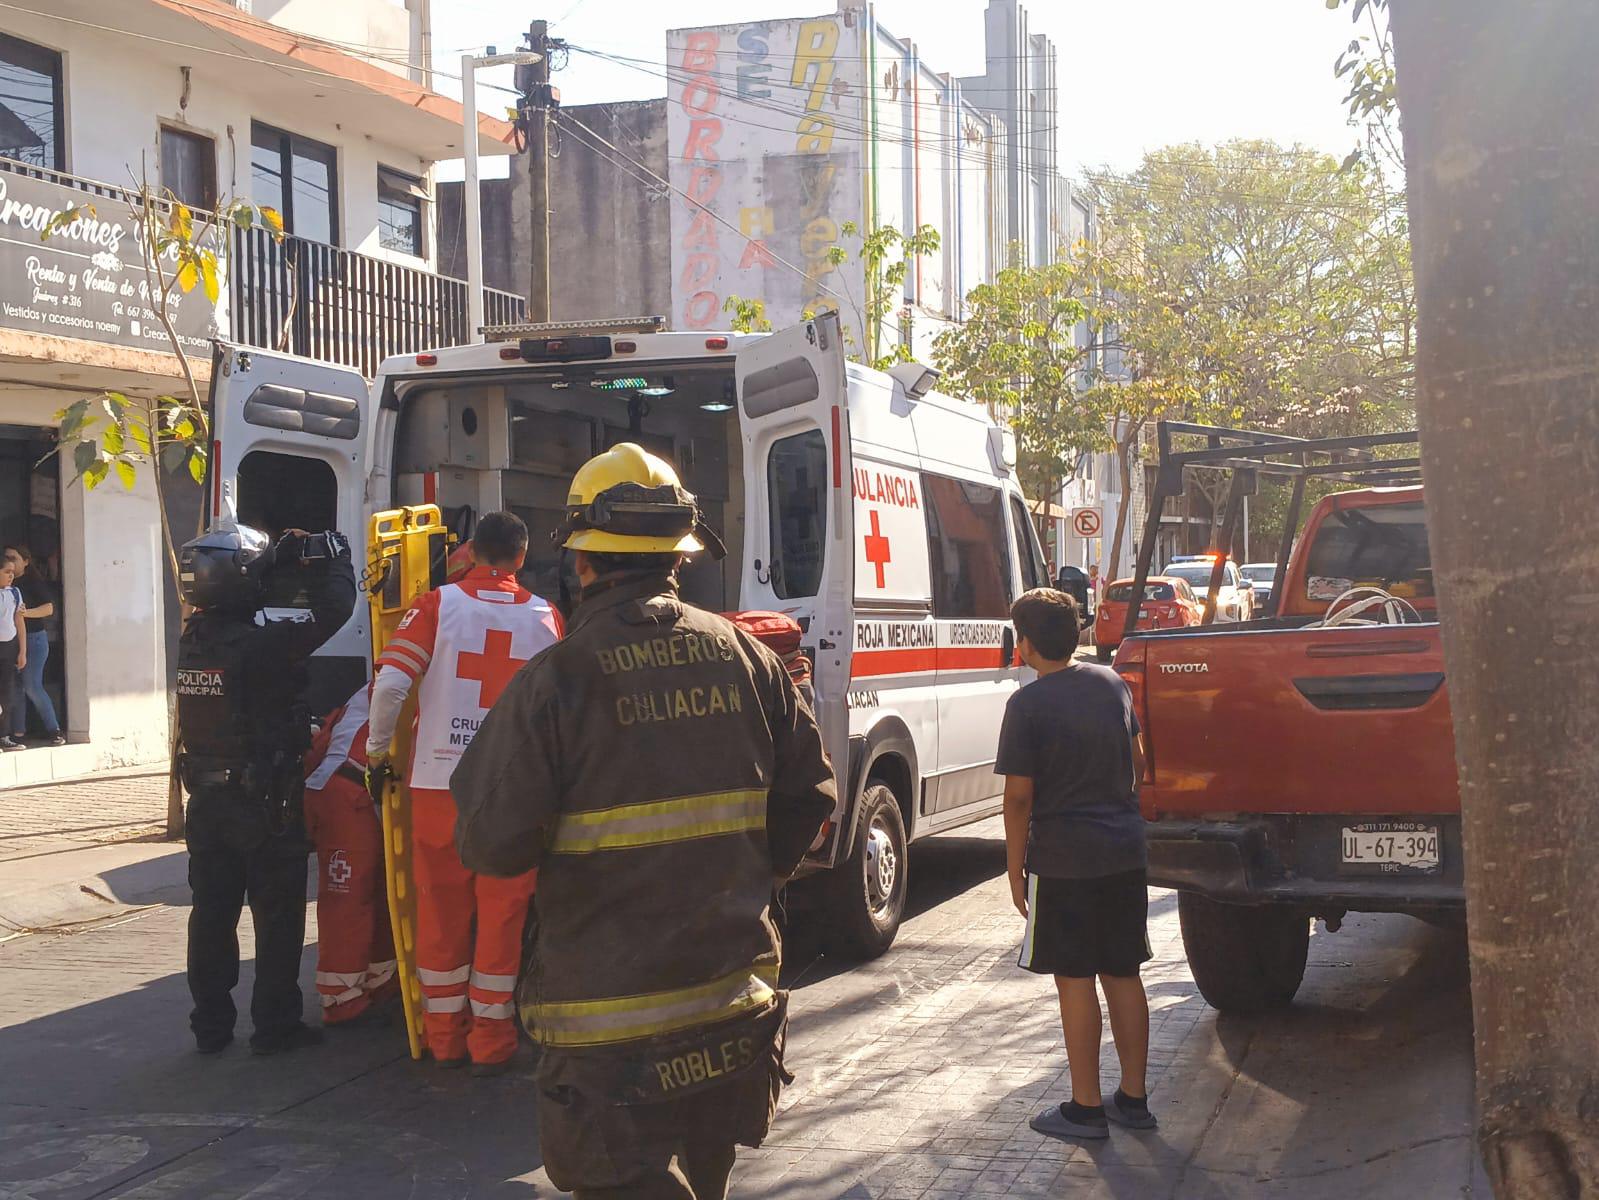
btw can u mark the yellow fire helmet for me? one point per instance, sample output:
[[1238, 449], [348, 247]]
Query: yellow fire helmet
[[629, 501]]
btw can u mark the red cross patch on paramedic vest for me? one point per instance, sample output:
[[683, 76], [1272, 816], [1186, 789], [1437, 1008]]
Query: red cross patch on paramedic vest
[[485, 628], [493, 668]]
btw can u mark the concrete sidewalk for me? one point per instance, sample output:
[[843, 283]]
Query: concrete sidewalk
[[80, 852], [110, 807]]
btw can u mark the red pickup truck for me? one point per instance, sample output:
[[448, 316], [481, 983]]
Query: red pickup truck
[[1298, 770]]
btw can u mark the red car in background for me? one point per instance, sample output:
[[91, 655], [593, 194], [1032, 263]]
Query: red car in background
[[1169, 603]]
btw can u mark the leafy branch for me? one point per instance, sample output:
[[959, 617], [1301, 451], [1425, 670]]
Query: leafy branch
[[115, 433]]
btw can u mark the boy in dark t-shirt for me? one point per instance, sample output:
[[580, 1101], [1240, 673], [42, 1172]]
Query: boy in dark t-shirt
[[1071, 754]]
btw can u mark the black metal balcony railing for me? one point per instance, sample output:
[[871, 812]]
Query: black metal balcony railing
[[319, 301], [322, 302]]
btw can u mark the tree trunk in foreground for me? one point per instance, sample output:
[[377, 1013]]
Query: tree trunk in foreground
[[1499, 102]]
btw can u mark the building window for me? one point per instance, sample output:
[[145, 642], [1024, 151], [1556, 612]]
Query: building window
[[400, 212], [189, 167], [299, 178], [31, 110]]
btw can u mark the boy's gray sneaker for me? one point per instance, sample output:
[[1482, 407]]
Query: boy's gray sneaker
[[1128, 1116], [1054, 1123]]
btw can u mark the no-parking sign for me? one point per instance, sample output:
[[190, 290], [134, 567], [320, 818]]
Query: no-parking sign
[[1087, 522]]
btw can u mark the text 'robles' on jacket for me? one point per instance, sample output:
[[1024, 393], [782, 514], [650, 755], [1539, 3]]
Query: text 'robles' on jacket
[[659, 769]]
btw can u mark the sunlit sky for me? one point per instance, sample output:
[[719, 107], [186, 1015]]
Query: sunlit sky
[[1135, 75]]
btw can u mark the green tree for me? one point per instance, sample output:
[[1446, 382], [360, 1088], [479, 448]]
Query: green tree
[[885, 256], [1018, 353], [748, 316], [1367, 68], [1252, 285], [114, 433]]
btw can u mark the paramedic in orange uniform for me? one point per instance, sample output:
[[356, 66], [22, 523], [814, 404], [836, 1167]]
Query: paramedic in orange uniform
[[355, 948], [463, 642]]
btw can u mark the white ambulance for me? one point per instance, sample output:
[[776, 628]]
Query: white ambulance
[[884, 517]]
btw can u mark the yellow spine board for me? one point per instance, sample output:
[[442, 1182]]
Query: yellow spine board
[[402, 544]]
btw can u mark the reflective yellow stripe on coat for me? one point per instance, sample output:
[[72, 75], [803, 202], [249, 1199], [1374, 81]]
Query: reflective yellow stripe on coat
[[601, 1022], [659, 822]]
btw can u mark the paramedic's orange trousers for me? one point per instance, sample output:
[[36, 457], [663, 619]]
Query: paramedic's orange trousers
[[355, 947], [468, 984]]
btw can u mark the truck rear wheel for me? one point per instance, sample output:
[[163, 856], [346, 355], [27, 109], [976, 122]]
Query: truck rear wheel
[[864, 896], [1245, 958]]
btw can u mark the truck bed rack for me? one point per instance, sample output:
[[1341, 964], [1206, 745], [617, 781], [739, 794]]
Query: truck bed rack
[[1248, 454]]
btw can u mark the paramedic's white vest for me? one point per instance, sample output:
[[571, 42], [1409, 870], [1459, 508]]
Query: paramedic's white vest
[[480, 641]]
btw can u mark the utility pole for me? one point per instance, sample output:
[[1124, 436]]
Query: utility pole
[[471, 198], [540, 101]]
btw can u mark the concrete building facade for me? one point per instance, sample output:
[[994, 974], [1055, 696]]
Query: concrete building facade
[[209, 101], [1020, 88], [787, 140], [609, 220]]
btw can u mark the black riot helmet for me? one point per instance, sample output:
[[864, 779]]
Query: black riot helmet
[[221, 569]]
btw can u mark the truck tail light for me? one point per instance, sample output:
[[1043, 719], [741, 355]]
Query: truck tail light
[[1130, 665]]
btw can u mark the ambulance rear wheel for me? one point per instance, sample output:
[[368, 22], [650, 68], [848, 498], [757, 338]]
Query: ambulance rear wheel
[[866, 893]]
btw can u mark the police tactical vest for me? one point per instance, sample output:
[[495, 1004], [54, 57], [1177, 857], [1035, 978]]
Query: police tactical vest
[[234, 709], [213, 665]]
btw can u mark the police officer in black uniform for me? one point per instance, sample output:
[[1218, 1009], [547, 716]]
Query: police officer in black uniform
[[241, 682]]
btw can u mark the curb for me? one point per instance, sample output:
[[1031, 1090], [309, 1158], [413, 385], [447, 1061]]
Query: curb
[[59, 891]]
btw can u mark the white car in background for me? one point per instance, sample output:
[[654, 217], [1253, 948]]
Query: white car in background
[[1259, 576], [1235, 599]]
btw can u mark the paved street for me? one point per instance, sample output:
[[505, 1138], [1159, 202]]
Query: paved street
[[917, 1074]]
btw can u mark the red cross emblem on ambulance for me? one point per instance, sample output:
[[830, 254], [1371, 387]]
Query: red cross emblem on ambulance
[[877, 550]]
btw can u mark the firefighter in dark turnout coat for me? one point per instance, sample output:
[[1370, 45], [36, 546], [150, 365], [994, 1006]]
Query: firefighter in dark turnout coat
[[241, 684], [660, 770]]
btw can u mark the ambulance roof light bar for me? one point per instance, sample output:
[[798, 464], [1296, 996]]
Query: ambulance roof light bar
[[512, 333]]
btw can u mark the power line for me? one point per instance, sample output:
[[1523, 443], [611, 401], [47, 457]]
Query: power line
[[566, 117], [400, 89], [952, 148], [941, 147]]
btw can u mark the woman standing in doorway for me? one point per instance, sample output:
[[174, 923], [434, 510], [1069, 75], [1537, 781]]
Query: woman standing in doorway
[[38, 607], [13, 647]]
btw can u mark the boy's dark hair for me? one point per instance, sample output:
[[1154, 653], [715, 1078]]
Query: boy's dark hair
[[499, 540], [20, 551], [640, 564], [1048, 619]]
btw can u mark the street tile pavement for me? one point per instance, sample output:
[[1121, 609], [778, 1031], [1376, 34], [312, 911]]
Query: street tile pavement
[[86, 812], [916, 1076], [918, 1073]]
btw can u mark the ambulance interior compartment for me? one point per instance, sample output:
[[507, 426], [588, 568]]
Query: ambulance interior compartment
[[515, 439]]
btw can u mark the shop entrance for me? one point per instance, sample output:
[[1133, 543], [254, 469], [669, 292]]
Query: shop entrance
[[30, 515]]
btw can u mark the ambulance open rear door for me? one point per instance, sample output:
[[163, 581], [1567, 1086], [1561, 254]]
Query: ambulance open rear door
[[798, 553], [407, 552]]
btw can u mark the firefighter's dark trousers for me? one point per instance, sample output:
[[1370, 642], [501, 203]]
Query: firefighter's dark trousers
[[700, 1172], [234, 858], [669, 1151]]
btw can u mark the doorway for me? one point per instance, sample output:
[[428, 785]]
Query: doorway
[[30, 516]]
